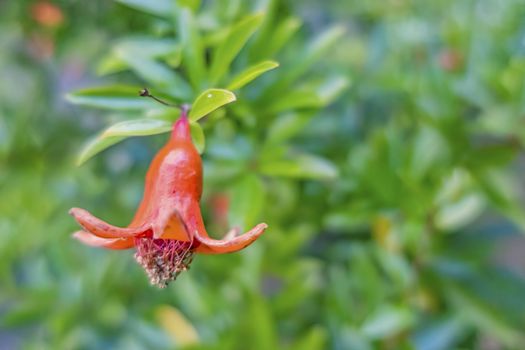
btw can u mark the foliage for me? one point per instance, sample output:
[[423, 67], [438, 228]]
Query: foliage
[[380, 141]]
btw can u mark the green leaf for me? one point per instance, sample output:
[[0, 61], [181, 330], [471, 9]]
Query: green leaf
[[251, 73], [149, 46], [320, 96], [460, 212], [272, 37], [138, 127], [286, 126], [209, 101], [396, 267], [315, 339], [197, 134], [300, 167], [163, 113], [387, 321], [429, 150], [351, 338], [272, 31], [332, 88], [95, 146], [158, 74], [232, 44], [317, 49], [117, 97], [192, 49], [297, 99], [282, 34], [162, 8], [146, 46], [191, 4], [499, 187], [110, 64], [484, 315], [324, 42], [247, 201], [119, 132]]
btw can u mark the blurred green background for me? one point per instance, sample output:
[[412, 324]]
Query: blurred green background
[[385, 153]]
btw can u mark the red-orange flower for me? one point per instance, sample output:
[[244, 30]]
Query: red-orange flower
[[47, 14], [168, 228]]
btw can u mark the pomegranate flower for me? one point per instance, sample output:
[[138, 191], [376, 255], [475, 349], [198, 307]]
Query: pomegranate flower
[[167, 229]]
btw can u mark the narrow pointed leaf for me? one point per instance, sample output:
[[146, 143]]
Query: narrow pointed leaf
[[158, 74], [116, 97], [146, 46], [286, 126], [232, 44], [283, 33], [251, 73], [272, 37], [192, 49], [319, 47], [298, 99], [119, 132], [316, 50], [264, 35], [95, 146], [387, 321], [138, 127], [209, 101], [314, 97], [110, 64], [332, 89], [300, 167]]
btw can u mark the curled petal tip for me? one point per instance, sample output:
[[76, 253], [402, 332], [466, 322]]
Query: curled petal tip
[[94, 241], [101, 228], [78, 213], [222, 246]]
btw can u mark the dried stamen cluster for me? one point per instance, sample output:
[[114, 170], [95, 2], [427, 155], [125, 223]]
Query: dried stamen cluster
[[163, 259]]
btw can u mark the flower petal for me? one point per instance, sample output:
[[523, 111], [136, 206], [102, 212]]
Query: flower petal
[[113, 243], [170, 226], [222, 246], [102, 229]]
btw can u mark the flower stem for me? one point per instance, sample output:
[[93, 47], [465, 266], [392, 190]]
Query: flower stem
[[145, 93]]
